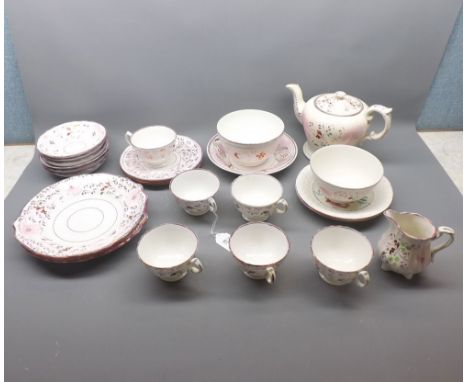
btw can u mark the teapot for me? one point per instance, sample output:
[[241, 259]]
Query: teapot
[[405, 247], [336, 118]]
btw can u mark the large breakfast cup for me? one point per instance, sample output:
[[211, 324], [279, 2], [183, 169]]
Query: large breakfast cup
[[249, 137], [345, 174]]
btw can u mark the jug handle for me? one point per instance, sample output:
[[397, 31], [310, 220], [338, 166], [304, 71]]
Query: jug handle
[[440, 231], [386, 113]]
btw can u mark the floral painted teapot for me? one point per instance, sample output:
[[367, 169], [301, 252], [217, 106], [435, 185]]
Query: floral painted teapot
[[406, 246], [336, 118]]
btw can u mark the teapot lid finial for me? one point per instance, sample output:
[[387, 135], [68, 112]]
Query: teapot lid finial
[[340, 95]]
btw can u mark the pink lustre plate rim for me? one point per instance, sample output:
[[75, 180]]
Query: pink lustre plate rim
[[33, 226], [367, 213], [46, 140], [185, 147], [262, 169]]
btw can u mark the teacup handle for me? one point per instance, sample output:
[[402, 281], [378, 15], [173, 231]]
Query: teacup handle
[[281, 206], [196, 265], [362, 279], [221, 151], [128, 137], [212, 205], [270, 275], [440, 231], [386, 113]]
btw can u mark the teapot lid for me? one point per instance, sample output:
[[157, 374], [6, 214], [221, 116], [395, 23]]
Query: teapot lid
[[339, 104]]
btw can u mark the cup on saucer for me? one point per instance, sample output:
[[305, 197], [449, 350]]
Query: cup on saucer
[[194, 191], [155, 144], [258, 196], [345, 174], [341, 255], [249, 137], [169, 252], [259, 248]]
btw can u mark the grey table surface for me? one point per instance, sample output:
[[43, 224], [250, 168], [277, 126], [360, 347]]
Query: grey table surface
[[112, 320], [185, 64]]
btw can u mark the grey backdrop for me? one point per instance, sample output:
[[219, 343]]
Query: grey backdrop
[[127, 64]]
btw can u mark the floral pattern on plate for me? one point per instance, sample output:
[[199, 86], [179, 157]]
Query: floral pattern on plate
[[71, 139], [187, 155], [81, 217], [283, 157]]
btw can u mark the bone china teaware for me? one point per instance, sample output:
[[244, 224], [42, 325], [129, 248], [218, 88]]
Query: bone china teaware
[[155, 144], [283, 157], [361, 210], [187, 155], [258, 196], [249, 137], [406, 247], [194, 191], [335, 118], [345, 174], [341, 255], [82, 217], [258, 248], [169, 252]]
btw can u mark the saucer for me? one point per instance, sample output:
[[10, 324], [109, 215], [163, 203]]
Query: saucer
[[283, 157], [382, 198], [187, 156], [306, 149]]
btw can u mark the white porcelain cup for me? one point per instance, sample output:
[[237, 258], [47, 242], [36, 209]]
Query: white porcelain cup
[[169, 252], [345, 174], [155, 144], [194, 191], [259, 248], [341, 255], [258, 196], [249, 137]]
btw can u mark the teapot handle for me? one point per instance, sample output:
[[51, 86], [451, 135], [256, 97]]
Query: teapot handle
[[386, 113], [440, 231]]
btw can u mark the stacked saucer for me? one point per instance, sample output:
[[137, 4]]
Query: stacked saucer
[[73, 148], [82, 217]]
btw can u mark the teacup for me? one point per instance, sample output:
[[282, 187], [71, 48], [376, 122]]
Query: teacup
[[345, 174], [169, 252], [341, 255], [258, 196], [155, 144], [194, 191], [259, 248], [249, 137]]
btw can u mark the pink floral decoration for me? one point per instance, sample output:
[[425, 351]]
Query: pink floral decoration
[[29, 229], [73, 190], [133, 197]]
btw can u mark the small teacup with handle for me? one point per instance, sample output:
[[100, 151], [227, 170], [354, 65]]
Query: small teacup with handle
[[154, 144], [258, 196], [258, 248], [194, 191], [341, 255], [169, 252]]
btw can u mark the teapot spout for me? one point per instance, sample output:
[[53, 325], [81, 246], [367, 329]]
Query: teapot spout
[[298, 100]]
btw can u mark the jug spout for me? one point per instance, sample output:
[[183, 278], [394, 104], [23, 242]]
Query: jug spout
[[299, 103], [392, 216], [411, 224]]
